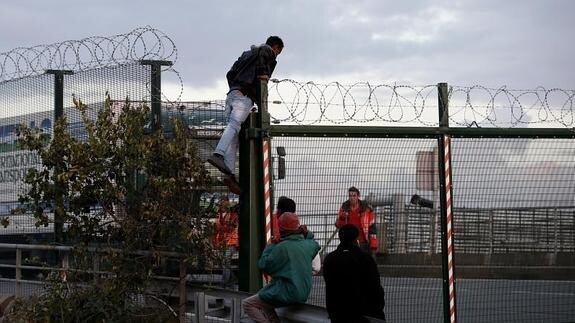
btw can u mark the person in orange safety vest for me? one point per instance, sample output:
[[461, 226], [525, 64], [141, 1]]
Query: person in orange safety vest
[[226, 238], [362, 215]]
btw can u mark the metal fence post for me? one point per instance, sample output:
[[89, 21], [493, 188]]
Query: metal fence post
[[436, 205], [59, 91], [65, 265], [251, 221], [491, 233], [236, 310], [58, 113], [200, 307], [556, 242], [267, 170], [156, 90], [445, 197], [400, 226], [183, 293], [156, 114], [18, 275]]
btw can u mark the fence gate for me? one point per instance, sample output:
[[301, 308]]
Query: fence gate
[[475, 222]]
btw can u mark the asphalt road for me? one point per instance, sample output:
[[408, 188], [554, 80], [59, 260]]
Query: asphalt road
[[477, 300], [487, 300]]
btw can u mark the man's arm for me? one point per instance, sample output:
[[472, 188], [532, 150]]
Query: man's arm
[[316, 264], [342, 218], [372, 230], [272, 259], [265, 63], [275, 228]]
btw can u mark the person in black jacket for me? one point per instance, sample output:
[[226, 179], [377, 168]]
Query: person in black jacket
[[353, 288], [253, 65]]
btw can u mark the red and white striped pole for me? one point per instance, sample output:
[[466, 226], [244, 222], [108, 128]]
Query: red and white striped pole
[[267, 197], [267, 193], [449, 220]]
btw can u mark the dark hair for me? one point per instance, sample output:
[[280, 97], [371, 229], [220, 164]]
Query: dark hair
[[275, 40], [353, 189], [348, 233], [285, 204]]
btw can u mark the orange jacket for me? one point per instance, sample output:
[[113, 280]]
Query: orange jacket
[[363, 217], [226, 228], [275, 229]]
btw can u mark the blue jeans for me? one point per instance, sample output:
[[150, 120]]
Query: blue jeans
[[238, 108]]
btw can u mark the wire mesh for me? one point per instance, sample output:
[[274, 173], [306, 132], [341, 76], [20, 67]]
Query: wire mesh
[[205, 121], [30, 101], [514, 206], [319, 172]]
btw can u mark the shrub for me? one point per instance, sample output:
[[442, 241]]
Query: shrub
[[122, 188]]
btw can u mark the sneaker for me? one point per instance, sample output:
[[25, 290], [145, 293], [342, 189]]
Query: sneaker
[[218, 162], [232, 184]]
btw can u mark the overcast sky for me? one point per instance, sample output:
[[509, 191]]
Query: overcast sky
[[493, 43], [520, 44]]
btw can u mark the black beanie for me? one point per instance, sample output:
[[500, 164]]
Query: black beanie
[[348, 233]]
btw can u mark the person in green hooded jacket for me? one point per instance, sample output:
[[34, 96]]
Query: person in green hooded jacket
[[288, 263]]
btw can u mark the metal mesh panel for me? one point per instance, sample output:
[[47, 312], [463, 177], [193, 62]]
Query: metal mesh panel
[[319, 172], [30, 101], [205, 121], [514, 207], [129, 81]]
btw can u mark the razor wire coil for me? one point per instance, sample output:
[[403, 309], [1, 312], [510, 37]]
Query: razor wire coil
[[309, 103], [145, 43]]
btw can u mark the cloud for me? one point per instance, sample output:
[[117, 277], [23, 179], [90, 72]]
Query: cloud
[[422, 27], [466, 42]]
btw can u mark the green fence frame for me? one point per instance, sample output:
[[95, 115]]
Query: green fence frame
[[258, 127]]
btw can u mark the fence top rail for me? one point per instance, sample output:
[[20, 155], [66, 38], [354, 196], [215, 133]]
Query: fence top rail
[[528, 209], [91, 249], [413, 208], [417, 132]]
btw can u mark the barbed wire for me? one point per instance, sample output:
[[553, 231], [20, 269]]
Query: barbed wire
[[145, 43], [478, 105], [337, 103], [309, 103]]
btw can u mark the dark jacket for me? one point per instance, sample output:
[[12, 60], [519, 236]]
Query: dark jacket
[[352, 285], [259, 60]]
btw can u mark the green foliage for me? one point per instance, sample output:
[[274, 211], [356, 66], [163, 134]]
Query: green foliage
[[106, 301], [123, 187]]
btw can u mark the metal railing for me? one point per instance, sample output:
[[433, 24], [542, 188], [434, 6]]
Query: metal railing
[[478, 230], [196, 302]]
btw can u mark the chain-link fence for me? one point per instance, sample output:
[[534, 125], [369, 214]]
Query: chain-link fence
[[38, 85], [513, 217], [511, 197], [30, 101]]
